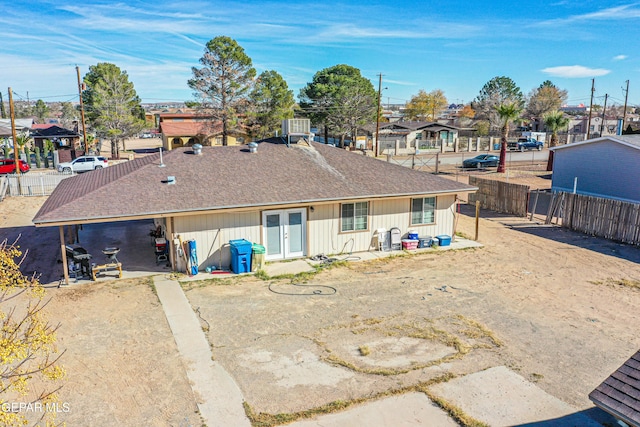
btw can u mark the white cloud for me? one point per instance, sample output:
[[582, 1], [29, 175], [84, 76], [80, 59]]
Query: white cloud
[[620, 12], [620, 57], [575, 71]]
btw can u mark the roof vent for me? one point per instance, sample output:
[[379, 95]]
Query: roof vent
[[253, 147], [197, 149]]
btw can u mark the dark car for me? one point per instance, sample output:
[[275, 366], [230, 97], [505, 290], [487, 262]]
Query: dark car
[[525, 143], [481, 161], [9, 166]]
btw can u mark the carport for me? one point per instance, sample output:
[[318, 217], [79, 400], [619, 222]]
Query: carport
[[136, 250]]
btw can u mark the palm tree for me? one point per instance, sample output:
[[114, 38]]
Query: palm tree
[[22, 139], [554, 121], [508, 112]]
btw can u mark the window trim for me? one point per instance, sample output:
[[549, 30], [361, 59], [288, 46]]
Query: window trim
[[354, 230], [411, 211]]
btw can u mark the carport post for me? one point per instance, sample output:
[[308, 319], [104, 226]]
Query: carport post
[[64, 255]]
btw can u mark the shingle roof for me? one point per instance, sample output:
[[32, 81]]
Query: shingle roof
[[231, 177], [632, 141], [54, 131], [189, 128], [620, 393], [42, 125]]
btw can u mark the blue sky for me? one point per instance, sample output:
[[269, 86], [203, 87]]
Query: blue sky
[[452, 45]]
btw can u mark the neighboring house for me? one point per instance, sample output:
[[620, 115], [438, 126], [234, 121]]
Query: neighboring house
[[295, 199], [403, 135], [5, 132], [38, 126], [186, 129], [66, 142], [619, 395], [602, 167], [20, 124], [608, 127]]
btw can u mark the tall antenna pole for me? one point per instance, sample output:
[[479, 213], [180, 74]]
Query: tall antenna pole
[[84, 130], [593, 89], [624, 113], [604, 111], [375, 144], [16, 153]]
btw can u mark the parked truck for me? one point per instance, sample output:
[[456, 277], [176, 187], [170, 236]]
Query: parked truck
[[525, 143]]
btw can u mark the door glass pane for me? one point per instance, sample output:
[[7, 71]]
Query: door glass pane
[[273, 235], [295, 232]]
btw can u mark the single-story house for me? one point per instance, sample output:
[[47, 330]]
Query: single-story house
[[420, 135], [20, 124], [186, 129], [66, 142], [602, 167], [297, 200], [619, 394]]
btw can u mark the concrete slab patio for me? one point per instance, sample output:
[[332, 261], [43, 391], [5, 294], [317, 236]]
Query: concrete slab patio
[[274, 269], [500, 397], [412, 409]]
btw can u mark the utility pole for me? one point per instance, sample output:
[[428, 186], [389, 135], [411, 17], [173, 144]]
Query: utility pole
[[593, 89], [604, 110], [624, 113], [2, 111], [84, 129], [376, 141], [16, 154]]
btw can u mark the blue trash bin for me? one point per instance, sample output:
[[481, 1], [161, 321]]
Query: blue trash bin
[[240, 256]]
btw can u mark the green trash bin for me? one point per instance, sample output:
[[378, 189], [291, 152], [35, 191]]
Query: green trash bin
[[257, 257]]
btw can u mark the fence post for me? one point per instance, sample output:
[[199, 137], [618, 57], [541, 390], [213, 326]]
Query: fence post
[[477, 218], [477, 144], [535, 204], [437, 162]]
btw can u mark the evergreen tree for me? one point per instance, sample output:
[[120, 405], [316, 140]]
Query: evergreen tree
[[223, 83]]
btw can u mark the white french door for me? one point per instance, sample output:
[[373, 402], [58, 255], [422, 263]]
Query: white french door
[[284, 233]]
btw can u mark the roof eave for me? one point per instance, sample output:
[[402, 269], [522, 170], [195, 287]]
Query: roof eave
[[183, 212]]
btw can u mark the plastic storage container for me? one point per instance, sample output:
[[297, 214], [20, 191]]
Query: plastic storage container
[[424, 242], [240, 256], [409, 244], [412, 235], [444, 240], [257, 257]]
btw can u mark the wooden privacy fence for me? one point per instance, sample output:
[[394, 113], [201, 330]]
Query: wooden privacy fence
[[34, 183], [607, 218], [500, 196]]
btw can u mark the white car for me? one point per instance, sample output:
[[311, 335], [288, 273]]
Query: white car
[[83, 164]]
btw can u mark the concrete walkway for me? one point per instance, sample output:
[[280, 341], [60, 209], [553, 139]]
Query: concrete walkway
[[218, 397]]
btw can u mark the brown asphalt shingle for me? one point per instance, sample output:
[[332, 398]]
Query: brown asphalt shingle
[[620, 393], [231, 177]]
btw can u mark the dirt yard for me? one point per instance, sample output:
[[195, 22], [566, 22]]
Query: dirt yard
[[557, 307], [554, 306]]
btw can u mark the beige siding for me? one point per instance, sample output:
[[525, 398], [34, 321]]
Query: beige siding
[[324, 225], [212, 234]]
